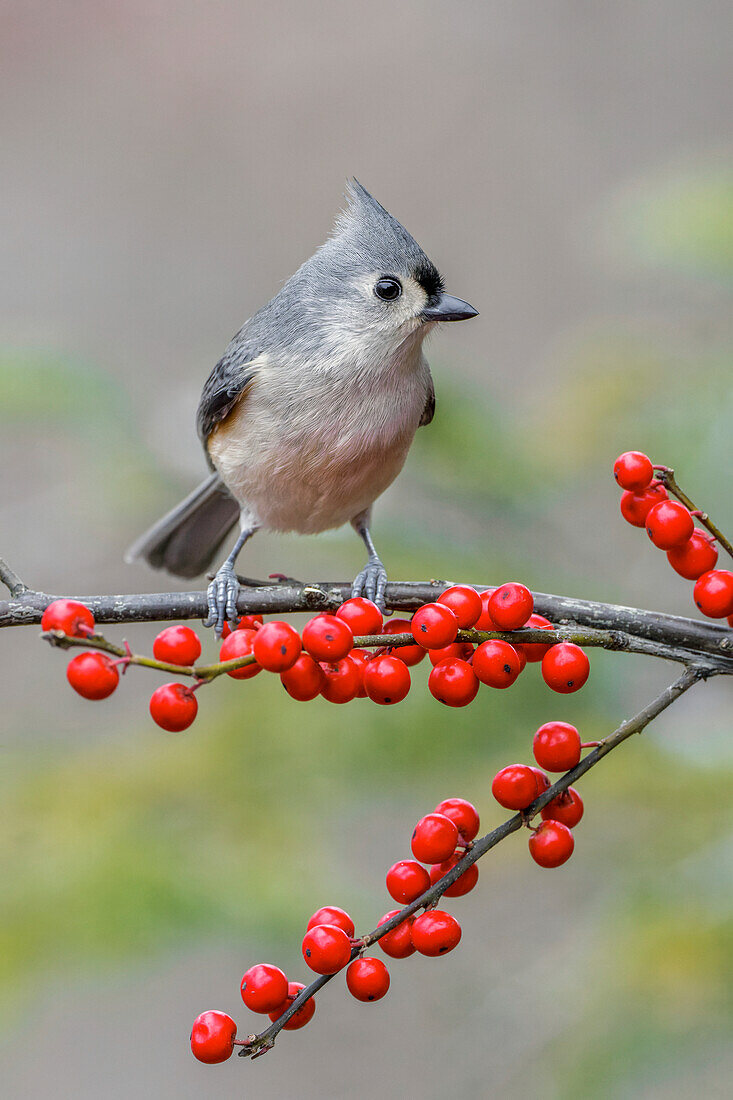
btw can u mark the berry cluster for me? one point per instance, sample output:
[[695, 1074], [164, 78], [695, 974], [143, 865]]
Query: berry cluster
[[326, 660], [557, 747], [670, 525], [469, 641], [329, 945]]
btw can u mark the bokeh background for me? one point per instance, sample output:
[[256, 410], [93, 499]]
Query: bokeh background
[[569, 166]]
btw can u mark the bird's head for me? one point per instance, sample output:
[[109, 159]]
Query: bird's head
[[372, 285]]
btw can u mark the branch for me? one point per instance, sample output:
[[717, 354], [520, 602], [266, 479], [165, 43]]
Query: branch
[[690, 636], [260, 1044]]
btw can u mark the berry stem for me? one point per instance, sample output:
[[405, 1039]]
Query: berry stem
[[123, 662], [615, 640], [667, 478], [125, 656]]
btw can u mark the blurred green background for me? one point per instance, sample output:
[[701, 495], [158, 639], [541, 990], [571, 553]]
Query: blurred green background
[[570, 169]]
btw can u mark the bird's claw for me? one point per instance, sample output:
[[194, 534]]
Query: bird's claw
[[222, 596], [372, 583]]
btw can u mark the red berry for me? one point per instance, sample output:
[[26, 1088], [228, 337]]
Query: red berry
[[331, 914], [693, 558], [300, 1018], [551, 844], [327, 638], [173, 707], [434, 625], [363, 616], [542, 782], [367, 979], [713, 593], [410, 654], [93, 675], [264, 987], [435, 932], [212, 1037], [633, 470], [246, 622], [463, 651], [361, 658], [342, 680], [304, 680], [464, 602], [434, 838], [635, 507], [386, 679], [535, 651], [496, 664], [177, 645], [407, 880], [326, 948], [669, 524], [397, 943], [515, 786], [276, 646], [484, 621], [70, 616], [463, 814], [565, 667], [556, 746], [566, 808], [510, 606], [239, 644], [453, 682], [463, 884]]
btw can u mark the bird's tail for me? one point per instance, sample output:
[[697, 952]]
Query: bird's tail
[[186, 540]]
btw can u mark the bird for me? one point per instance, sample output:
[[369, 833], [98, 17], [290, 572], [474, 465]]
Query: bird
[[309, 415]]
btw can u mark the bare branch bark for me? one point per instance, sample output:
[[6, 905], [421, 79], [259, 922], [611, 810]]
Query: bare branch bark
[[280, 598], [11, 580]]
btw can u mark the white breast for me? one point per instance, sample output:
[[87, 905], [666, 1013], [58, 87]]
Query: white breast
[[308, 450]]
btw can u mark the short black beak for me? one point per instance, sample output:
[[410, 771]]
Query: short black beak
[[448, 308]]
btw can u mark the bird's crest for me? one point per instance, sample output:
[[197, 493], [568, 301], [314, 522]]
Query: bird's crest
[[382, 239]]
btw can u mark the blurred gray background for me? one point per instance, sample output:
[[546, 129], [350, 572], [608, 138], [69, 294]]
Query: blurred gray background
[[569, 168]]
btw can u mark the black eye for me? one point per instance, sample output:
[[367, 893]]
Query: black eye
[[388, 289]]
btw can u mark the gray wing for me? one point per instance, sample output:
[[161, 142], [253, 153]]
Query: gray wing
[[429, 411], [226, 383]]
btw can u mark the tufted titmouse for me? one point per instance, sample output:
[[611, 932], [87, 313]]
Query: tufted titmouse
[[310, 413]]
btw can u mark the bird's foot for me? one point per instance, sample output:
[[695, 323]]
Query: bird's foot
[[222, 599], [371, 582]]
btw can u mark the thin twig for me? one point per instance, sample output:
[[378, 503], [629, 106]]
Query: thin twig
[[259, 1044], [614, 640], [665, 474], [98, 641], [11, 580]]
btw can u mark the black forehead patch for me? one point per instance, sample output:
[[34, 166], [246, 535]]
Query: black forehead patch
[[429, 279]]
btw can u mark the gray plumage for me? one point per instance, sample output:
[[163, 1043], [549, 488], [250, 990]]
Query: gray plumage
[[309, 414], [366, 240], [186, 540]]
